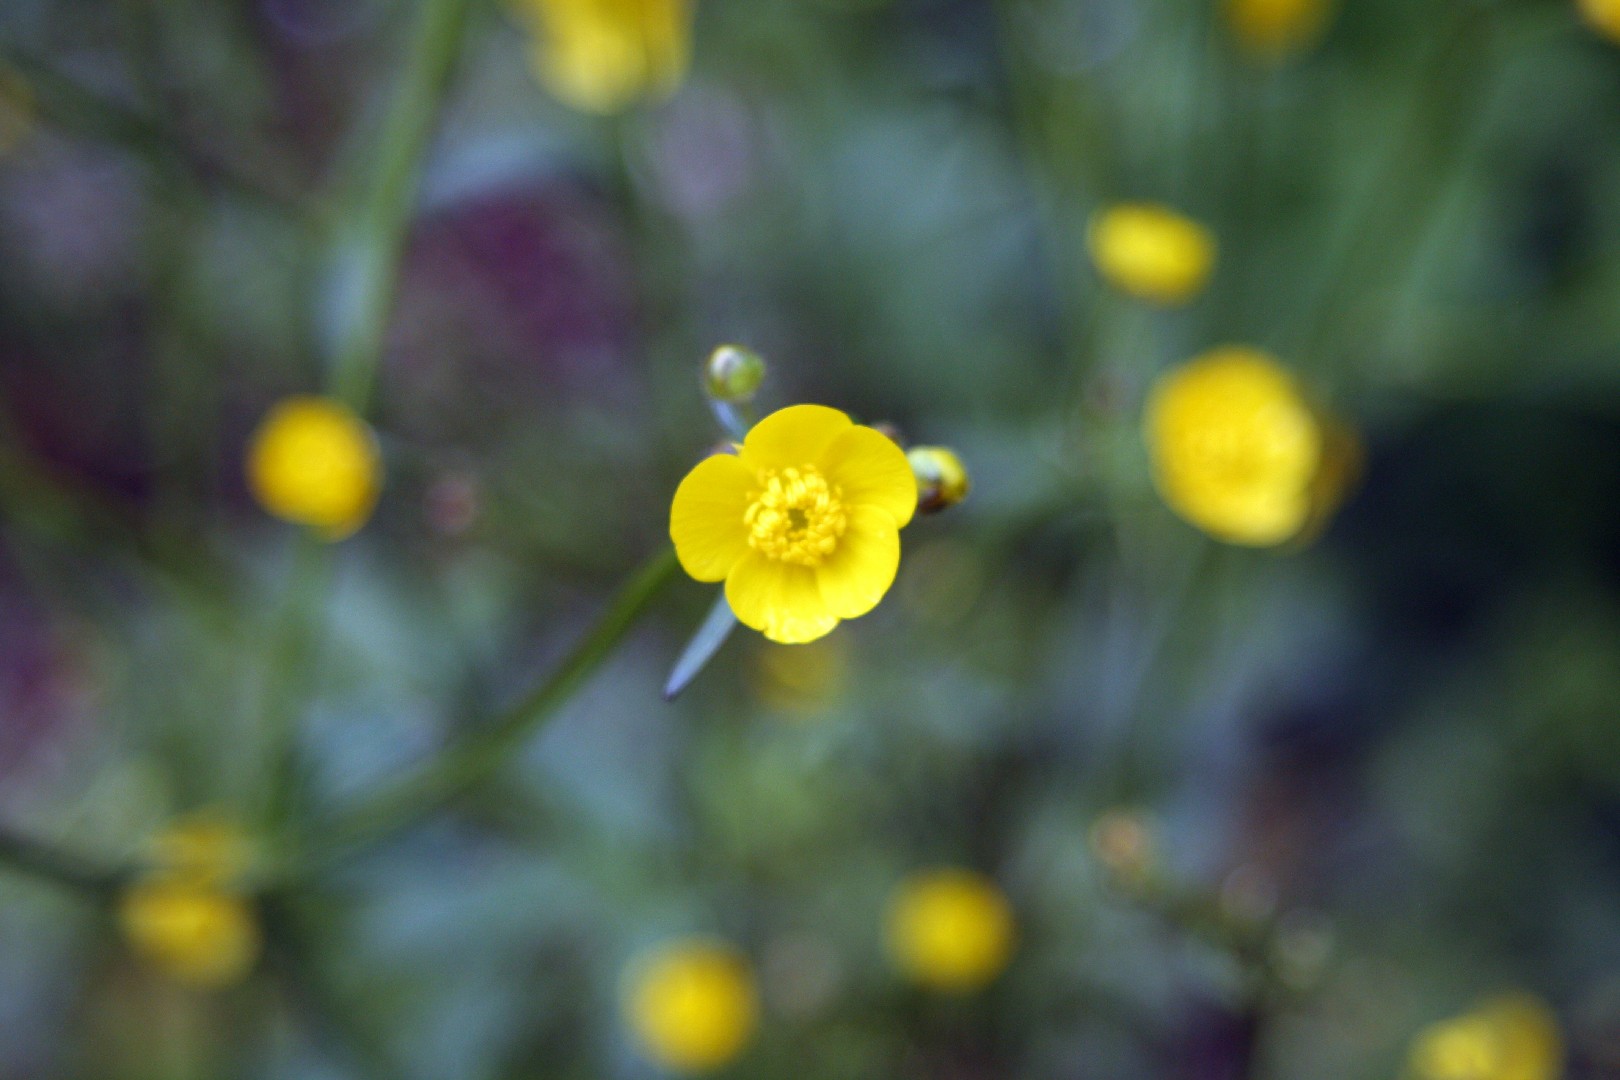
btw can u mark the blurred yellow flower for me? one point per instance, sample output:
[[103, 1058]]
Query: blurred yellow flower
[[194, 933], [1151, 252], [802, 523], [1273, 29], [804, 679], [942, 479], [692, 1004], [1238, 452], [16, 109], [1603, 16], [186, 916], [314, 462], [603, 55], [950, 929], [1512, 1037]]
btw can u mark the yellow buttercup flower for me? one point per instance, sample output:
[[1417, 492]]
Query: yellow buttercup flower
[[603, 55], [1273, 29], [950, 929], [692, 1004], [1603, 16], [802, 523], [1238, 452], [1512, 1037], [314, 462], [1151, 252], [186, 916]]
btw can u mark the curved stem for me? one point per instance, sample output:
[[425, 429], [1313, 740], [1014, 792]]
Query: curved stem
[[51, 864], [482, 752], [384, 201]]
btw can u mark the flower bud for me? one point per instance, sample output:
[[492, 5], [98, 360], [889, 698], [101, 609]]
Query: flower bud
[[1123, 842], [733, 374], [942, 482]]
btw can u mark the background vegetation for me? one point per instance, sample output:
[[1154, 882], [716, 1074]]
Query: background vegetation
[[1347, 789]]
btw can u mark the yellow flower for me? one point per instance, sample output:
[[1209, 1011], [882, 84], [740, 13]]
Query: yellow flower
[[802, 523], [950, 929], [195, 933], [692, 1004], [1272, 29], [603, 55], [1151, 252], [186, 916], [1238, 452], [1512, 1037], [1603, 16], [314, 462]]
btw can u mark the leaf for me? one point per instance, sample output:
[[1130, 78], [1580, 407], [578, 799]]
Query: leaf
[[716, 628]]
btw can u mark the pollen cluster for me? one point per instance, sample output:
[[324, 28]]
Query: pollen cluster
[[797, 517]]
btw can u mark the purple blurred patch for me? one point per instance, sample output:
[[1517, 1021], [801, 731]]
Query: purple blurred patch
[[512, 295], [43, 689]]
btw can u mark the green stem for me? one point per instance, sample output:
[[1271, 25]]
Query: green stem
[[384, 202], [80, 111], [482, 752], [1439, 119], [48, 863], [382, 214], [289, 678], [1063, 156]]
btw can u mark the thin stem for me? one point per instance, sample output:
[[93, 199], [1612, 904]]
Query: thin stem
[[382, 214], [484, 751], [81, 111], [51, 864], [291, 655], [1438, 120], [384, 202]]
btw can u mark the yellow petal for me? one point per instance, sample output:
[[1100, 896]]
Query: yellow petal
[[793, 437], [780, 600], [706, 518], [855, 577], [873, 471]]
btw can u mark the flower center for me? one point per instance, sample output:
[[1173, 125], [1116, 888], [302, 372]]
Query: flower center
[[796, 516]]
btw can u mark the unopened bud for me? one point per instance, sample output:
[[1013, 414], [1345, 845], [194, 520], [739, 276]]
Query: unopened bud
[[942, 482], [733, 374]]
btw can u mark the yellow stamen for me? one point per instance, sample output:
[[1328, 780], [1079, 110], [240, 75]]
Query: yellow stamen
[[796, 517]]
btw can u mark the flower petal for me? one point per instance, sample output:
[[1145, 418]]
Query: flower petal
[[873, 471], [793, 437], [854, 578], [706, 518], [778, 599]]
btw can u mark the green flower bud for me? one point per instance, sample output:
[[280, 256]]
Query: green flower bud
[[942, 482], [733, 374]]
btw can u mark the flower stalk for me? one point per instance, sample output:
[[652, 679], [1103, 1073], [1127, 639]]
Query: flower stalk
[[483, 752]]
